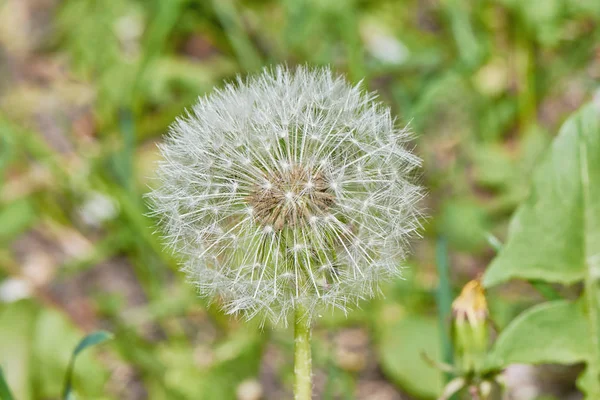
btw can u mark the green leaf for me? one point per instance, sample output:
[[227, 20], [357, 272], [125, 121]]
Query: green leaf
[[585, 382], [555, 237], [15, 218], [401, 345], [54, 340], [4, 390], [17, 321], [90, 340], [555, 234], [553, 332]]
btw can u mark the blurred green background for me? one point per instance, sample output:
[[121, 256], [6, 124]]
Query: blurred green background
[[87, 89]]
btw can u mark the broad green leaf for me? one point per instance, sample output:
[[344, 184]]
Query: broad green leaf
[[16, 322], [553, 332], [401, 345], [585, 382], [555, 235], [4, 390], [90, 340]]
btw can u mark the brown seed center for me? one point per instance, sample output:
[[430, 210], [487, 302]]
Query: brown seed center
[[291, 197]]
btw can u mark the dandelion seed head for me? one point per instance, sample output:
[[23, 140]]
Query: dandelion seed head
[[288, 188]]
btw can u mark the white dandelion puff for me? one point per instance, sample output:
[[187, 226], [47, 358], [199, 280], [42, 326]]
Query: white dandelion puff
[[291, 188]]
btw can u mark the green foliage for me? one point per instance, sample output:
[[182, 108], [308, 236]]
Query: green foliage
[[232, 361], [555, 237], [402, 343], [90, 340], [35, 348], [553, 332], [5, 393], [89, 86], [52, 345], [465, 224], [444, 299], [15, 347], [15, 218]]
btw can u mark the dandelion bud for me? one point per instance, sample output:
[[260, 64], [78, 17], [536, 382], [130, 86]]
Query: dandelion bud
[[287, 190], [471, 338]]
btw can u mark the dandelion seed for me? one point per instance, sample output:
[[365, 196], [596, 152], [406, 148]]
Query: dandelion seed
[[289, 189]]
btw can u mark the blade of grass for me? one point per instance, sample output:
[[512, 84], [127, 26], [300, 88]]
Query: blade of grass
[[244, 50], [7, 150], [90, 340], [164, 19], [347, 24], [524, 66], [465, 39], [131, 207], [122, 161]]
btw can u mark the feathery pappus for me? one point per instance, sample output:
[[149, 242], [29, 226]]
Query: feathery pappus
[[289, 188]]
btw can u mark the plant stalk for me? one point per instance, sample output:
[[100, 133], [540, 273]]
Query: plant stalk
[[302, 356], [590, 282], [444, 302]]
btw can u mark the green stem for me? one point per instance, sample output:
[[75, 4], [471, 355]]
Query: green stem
[[444, 301], [591, 283], [302, 356]]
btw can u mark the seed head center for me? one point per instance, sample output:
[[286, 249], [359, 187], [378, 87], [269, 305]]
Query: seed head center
[[291, 197]]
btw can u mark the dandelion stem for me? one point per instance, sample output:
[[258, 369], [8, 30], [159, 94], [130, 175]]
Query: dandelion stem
[[302, 356]]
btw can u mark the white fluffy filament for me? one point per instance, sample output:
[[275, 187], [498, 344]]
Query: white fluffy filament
[[291, 187]]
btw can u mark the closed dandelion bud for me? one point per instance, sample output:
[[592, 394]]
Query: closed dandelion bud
[[288, 190], [470, 325]]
